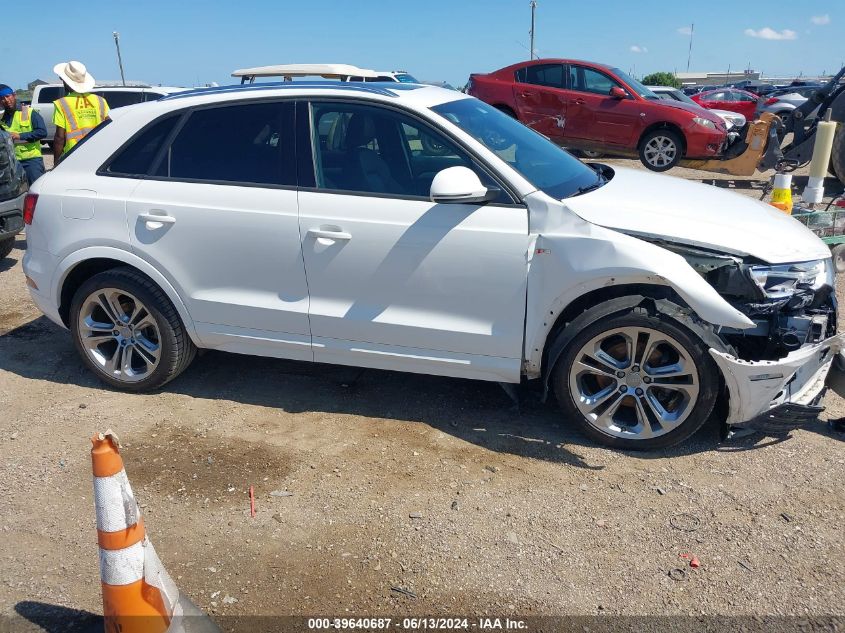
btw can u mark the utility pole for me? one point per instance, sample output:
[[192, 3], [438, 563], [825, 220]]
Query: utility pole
[[689, 54], [533, 9], [119, 60]]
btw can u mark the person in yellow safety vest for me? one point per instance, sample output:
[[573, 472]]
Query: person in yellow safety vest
[[79, 111], [26, 127]]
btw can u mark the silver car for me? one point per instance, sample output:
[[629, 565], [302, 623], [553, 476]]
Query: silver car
[[783, 102]]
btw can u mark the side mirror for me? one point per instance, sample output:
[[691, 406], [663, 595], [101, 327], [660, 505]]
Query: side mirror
[[618, 93], [460, 185]]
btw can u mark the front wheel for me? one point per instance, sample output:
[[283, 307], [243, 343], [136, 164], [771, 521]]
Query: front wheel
[[635, 380], [128, 332], [838, 255], [660, 150]]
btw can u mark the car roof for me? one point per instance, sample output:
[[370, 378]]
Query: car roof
[[418, 94]]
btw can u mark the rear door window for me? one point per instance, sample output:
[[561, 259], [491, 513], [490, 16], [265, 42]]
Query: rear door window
[[550, 75], [120, 98], [245, 143]]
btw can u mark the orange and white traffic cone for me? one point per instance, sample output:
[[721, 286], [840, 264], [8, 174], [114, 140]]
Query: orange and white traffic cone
[[139, 596]]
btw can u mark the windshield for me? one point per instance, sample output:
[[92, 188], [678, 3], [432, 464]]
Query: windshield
[[640, 89], [545, 165], [680, 96], [405, 78]]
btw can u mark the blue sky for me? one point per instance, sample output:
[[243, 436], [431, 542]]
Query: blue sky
[[191, 43]]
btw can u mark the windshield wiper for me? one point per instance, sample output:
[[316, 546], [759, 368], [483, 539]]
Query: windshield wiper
[[600, 179], [589, 188]]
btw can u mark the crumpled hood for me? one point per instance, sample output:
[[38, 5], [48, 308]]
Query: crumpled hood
[[646, 204]]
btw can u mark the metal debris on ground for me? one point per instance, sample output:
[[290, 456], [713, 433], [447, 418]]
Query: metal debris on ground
[[678, 574], [685, 522], [404, 592], [415, 515], [786, 517], [745, 566]]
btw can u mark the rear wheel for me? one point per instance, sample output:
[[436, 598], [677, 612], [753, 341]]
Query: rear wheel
[[660, 150], [636, 380], [128, 332], [589, 153], [6, 246]]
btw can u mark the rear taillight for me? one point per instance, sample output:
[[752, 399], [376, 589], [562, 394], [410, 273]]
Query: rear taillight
[[29, 207], [770, 101]]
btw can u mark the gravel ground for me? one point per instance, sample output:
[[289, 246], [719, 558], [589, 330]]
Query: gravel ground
[[397, 482]]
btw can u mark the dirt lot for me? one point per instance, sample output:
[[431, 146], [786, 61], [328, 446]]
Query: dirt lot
[[517, 514]]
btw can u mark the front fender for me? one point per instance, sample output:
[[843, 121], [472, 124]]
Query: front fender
[[566, 265], [67, 264]]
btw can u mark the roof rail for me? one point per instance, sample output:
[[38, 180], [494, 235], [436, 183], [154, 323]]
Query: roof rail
[[373, 88]]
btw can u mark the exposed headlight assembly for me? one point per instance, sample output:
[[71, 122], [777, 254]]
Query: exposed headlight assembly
[[704, 122], [783, 280]]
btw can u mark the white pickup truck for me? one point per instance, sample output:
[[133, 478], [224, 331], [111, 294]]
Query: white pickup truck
[[117, 96]]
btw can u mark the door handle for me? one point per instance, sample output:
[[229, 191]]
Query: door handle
[[156, 221], [322, 234], [579, 101], [524, 94]]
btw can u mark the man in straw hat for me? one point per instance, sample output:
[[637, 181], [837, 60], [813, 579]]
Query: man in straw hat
[[79, 111]]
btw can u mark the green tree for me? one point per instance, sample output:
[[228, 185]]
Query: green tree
[[662, 79]]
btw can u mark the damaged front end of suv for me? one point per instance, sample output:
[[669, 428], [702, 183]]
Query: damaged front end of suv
[[774, 372]]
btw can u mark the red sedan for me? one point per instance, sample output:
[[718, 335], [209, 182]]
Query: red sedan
[[589, 106], [729, 99]]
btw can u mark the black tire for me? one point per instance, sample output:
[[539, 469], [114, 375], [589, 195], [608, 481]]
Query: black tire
[[591, 324], [837, 156], [656, 164], [589, 153], [838, 254], [176, 348], [6, 247]]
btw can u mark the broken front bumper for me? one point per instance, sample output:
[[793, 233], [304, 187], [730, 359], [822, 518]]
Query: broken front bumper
[[779, 394]]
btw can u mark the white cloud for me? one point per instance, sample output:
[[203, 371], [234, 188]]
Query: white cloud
[[820, 20], [685, 30], [638, 49], [770, 34]]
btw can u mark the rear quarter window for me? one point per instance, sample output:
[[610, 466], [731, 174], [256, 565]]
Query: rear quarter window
[[136, 157]]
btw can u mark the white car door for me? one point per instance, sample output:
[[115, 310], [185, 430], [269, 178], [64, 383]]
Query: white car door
[[218, 218], [396, 281]]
